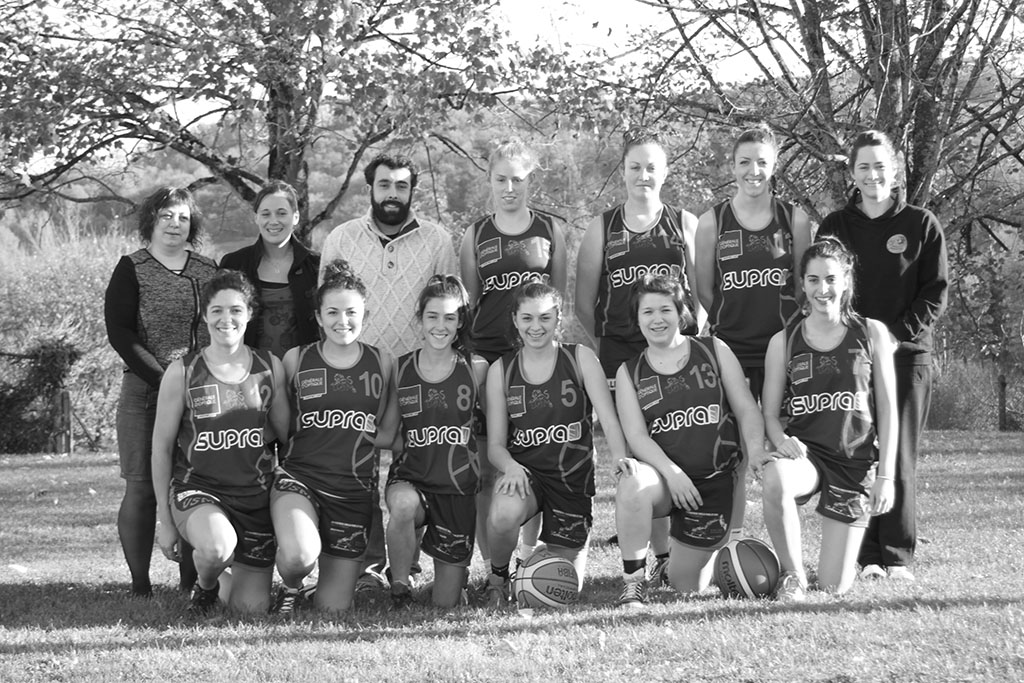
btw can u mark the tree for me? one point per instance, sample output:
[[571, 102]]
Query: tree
[[943, 77], [247, 88]]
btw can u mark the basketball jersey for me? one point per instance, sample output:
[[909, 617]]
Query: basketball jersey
[[628, 256], [687, 413], [754, 290], [221, 440], [503, 262], [550, 422], [437, 428], [334, 414], [829, 399]]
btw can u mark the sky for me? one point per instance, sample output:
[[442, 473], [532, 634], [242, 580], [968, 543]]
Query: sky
[[572, 22]]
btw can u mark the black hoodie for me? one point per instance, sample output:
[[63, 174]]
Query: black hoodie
[[901, 271]]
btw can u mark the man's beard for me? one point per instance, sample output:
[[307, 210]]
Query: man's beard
[[391, 211]]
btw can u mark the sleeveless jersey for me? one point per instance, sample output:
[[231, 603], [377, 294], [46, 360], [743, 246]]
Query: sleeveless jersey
[[437, 428], [829, 399], [754, 289], [334, 416], [220, 439], [503, 262], [628, 256], [550, 422], [687, 413]]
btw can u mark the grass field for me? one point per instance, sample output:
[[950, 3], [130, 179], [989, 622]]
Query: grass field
[[65, 614]]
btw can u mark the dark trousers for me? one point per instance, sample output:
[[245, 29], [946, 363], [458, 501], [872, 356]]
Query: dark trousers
[[891, 538]]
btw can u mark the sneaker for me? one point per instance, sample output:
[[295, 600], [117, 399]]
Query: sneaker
[[657, 574], [790, 588], [634, 592], [371, 581], [401, 596], [204, 599], [307, 592], [498, 592], [285, 601], [872, 571], [900, 574]]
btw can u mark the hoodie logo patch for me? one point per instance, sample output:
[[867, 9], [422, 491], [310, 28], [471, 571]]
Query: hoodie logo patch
[[897, 244]]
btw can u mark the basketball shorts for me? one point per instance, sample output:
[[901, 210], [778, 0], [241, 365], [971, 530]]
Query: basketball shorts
[[707, 527], [613, 352], [450, 525], [566, 517], [343, 519], [249, 516], [844, 490]]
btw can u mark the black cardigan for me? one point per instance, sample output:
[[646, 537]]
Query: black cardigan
[[302, 280]]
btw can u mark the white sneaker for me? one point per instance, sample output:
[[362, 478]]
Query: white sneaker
[[872, 571], [900, 574]]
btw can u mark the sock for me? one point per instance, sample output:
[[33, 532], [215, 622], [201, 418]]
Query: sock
[[500, 572], [662, 556], [633, 566]]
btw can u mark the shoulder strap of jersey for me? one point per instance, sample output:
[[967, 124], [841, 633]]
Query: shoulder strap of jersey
[[783, 214], [791, 332]]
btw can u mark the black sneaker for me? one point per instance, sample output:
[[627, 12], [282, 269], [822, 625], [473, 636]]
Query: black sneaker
[[285, 601], [204, 599], [401, 596]]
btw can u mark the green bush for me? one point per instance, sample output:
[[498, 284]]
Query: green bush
[[52, 292], [965, 396]]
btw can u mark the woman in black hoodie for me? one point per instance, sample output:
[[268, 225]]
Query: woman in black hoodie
[[902, 273]]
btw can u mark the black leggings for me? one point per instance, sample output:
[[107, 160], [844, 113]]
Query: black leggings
[[136, 527]]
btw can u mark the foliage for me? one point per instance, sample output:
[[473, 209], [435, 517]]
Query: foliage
[[53, 290], [247, 88], [66, 615]]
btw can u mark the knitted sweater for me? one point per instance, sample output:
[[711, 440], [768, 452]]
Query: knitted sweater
[[394, 274], [152, 314]]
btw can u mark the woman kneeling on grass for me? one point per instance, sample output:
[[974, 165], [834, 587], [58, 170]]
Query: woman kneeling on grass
[[433, 483], [539, 434], [679, 402], [217, 405], [831, 375], [343, 410]]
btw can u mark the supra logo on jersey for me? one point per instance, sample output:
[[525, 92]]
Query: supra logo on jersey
[[648, 392], [753, 278], [489, 252], [229, 438], [348, 538], [343, 383], [440, 436], [675, 384], [846, 502], [827, 365], [205, 401], [627, 276], [570, 527], [540, 399], [696, 416], [436, 399], [515, 400], [704, 526], [260, 547], [506, 281], [452, 544], [410, 401], [800, 369], [333, 419], [312, 383], [540, 436], [822, 403], [730, 245]]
